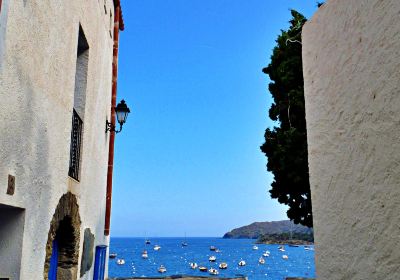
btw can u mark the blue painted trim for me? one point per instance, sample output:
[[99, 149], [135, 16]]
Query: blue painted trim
[[53, 261], [100, 262]]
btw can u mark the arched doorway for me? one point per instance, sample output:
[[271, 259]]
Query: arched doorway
[[62, 248]]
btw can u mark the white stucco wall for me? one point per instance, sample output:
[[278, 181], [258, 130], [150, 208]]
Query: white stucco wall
[[37, 81], [351, 57]]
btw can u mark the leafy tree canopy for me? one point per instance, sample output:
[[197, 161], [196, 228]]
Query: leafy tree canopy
[[286, 144]]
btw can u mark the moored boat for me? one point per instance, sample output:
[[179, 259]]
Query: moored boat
[[144, 254], [223, 265], [213, 248], [147, 241], [213, 271], [285, 257], [266, 254], [255, 247], [203, 269], [242, 263], [261, 260], [112, 255], [212, 258], [162, 269], [157, 247], [193, 265], [120, 261]]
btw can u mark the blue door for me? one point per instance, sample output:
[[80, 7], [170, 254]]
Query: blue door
[[100, 262], [53, 261]]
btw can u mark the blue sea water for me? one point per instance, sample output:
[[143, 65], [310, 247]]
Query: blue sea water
[[176, 258]]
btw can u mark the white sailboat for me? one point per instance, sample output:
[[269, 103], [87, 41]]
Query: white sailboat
[[193, 265], [162, 269], [144, 254], [213, 271], [223, 265]]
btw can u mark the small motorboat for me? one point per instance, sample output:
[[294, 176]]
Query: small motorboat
[[157, 247], [261, 260], [162, 269], [281, 248], [145, 255], [307, 248], [213, 271], [212, 258], [184, 244], [193, 265], [255, 247], [218, 251], [266, 254], [213, 248], [285, 257], [242, 263], [203, 269], [147, 241], [113, 255], [223, 265], [120, 261]]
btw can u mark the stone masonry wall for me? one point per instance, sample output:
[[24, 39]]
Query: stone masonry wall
[[351, 56]]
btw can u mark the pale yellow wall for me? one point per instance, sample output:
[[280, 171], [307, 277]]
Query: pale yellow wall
[[351, 56], [37, 80]]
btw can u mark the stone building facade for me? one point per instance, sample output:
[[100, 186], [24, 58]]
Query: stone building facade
[[56, 77], [351, 61]]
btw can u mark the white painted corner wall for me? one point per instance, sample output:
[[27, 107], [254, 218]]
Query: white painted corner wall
[[351, 63]]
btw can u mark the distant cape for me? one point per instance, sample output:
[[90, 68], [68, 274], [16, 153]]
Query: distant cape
[[255, 230]]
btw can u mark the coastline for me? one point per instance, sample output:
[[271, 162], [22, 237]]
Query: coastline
[[285, 242], [183, 277]]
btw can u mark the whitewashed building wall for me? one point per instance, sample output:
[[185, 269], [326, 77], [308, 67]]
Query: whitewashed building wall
[[38, 53], [351, 60]]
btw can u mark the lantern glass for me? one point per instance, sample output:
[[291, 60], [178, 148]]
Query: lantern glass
[[121, 117], [122, 112]]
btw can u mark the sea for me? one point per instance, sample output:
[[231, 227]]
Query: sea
[[176, 259]]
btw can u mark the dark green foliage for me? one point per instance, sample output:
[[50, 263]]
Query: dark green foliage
[[286, 145], [309, 237]]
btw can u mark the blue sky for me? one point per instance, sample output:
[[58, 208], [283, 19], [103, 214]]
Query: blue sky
[[188, 159]]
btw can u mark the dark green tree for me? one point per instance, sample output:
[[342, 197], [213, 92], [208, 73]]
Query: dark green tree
[[286, 144]]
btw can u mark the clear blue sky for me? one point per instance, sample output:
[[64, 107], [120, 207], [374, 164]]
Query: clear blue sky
[[188, 159]]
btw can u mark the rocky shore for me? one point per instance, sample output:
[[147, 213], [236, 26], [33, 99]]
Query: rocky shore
[[285, 242]]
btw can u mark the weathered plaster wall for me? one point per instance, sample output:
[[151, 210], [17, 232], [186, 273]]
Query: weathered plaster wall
[[37, 81], [351, 56]]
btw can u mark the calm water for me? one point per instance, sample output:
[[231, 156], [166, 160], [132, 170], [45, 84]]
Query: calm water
[[176, 258]]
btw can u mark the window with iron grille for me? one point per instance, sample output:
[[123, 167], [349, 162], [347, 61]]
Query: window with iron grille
[[81, 71], [76, 143]]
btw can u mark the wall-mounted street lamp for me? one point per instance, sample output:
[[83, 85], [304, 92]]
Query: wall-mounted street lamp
[[122, 112]]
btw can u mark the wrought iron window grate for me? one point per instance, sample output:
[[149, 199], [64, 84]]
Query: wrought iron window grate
[[76, 143]]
